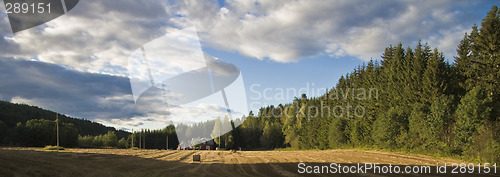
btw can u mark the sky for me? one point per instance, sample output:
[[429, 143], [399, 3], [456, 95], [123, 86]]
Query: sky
[[89, 63]]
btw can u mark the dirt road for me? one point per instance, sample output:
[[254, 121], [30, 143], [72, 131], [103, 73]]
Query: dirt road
[[118, 162]]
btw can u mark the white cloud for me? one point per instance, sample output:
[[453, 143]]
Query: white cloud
[[287, 31], [447, 42], [101, 40], [132, 122], [21, 100], [95, 36]]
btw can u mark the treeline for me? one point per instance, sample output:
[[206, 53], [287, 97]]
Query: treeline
[[24, 125], [38, 133], [155, 139], [41, 132], [411, 100], [221, 131], [101, 141], [144, 139]]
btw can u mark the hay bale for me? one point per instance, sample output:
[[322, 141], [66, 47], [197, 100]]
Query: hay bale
[[197, 158]]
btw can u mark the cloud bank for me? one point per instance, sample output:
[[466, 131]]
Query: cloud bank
[[79, 94], [287, 31], [100, 40]]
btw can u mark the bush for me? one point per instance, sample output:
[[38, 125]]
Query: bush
[[389, 128], [53, 148], [98, 141], [122, 144], [110, 139], [85, 141], [471, 113]]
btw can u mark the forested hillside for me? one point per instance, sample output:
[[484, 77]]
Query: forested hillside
[[31, 116]]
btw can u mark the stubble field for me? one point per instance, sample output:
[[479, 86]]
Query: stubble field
[[126, 162]]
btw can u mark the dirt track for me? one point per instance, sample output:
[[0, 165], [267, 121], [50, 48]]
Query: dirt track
[[116, 162]]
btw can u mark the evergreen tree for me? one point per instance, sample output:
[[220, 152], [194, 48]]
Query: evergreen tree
[[272, 136], [440, 118], [237, 136], [3, 132], [487, 46], [463, 63], [473, 109], [389, 127], [336, 134], [418, 66], [251, 130], [217, 131], [41, 132], [434, 77], [418, 133], [290, 126]]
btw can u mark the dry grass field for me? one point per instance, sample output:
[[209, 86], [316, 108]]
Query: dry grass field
[[125, 162]]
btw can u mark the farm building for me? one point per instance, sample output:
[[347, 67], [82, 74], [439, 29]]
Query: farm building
[[203, 143]]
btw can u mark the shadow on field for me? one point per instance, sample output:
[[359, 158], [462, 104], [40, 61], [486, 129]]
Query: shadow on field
[[42, 163]]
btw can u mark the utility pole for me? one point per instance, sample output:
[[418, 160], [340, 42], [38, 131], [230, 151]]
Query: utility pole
[[57, 127], [132, 138], [144, 139], [140, 141], [167, 141]]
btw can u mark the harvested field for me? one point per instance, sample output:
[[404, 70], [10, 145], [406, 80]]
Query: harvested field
[[125, 162]]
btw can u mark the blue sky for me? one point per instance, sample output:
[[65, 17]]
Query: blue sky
[[77, 64], [310, 75]]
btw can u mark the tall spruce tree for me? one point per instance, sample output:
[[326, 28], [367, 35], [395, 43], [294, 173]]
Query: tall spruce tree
[[487, 46], [471, 112], [433, 79]]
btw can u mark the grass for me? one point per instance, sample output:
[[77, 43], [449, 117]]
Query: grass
[[53, 148]]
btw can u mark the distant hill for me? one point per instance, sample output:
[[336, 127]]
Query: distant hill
[[11, 114]]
